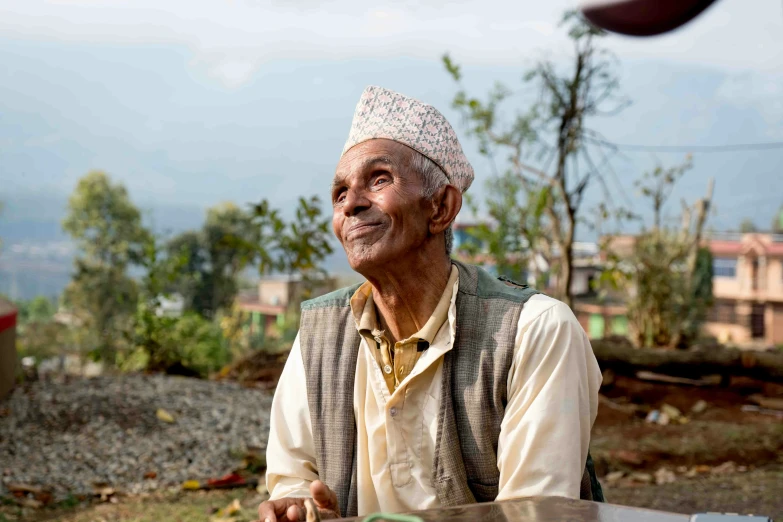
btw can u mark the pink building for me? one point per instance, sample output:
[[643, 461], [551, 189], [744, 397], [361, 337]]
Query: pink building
[[748, 289], [277, 297]]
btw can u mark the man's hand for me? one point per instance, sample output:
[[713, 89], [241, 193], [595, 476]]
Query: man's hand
[[293, 509]]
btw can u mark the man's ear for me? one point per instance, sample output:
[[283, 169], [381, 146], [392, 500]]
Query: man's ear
[[446, 204]]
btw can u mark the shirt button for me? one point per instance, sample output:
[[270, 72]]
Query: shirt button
[[377, 339], [393, 411], [387, 369]]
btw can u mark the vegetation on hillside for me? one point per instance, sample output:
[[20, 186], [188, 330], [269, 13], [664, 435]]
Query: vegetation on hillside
[[112, 309]]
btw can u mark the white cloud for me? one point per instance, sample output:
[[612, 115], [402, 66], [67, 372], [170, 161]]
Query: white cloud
[[233, 38], [233, 73]]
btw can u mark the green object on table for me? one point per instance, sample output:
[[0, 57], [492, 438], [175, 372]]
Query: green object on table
[[392, 517]]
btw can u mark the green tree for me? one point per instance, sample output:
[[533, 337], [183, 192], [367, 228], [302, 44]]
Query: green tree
[[201, 344], [747, 225], [667, 277], [777, 221], [213, 257], [189, 283], [546, 146], [43, 340], [37, 310], [701, 297], [233, 239], [150, 327], [190, 342], [510, 239], [38, 335], [299, 246], [40, 309], [108, 230]]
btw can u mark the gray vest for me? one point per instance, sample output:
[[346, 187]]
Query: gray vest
[[473, 390]]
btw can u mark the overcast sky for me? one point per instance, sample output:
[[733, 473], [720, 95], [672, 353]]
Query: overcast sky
[[195, 102]]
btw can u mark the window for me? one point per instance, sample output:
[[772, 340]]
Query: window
[[620, 325], [723, 312], [724, 267], [595, 326]]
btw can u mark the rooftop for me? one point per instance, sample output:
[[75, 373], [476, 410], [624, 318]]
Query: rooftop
[[292, 278]]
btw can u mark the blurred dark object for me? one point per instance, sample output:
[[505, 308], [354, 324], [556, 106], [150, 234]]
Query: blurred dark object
[[7, 347], [642, 17], [620, 356], [260, 369], [231, 480], [27, 495], [181, 370]]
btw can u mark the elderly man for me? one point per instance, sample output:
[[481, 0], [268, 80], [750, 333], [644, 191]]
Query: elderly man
[[432, 384]]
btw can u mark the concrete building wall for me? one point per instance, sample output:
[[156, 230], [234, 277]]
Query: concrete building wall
[[755, 290], [275, 293], [775, 324], [775, 278], [726, 287], [728, 333]]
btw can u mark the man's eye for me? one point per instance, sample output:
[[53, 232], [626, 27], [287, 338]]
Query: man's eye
[[380, 181]]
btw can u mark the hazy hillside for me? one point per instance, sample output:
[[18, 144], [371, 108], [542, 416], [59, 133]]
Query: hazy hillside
[[36, 257]]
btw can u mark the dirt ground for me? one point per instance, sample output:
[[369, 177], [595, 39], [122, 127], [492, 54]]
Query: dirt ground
[[721, 460], [758, 491], [172, 506]]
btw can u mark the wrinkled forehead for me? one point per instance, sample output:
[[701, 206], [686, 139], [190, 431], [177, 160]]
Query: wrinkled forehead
[[370, 155]]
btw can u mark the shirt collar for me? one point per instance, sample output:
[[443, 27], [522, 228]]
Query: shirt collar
[[366, 317]]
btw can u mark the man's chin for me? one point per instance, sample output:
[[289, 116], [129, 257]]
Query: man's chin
[[364, 258]]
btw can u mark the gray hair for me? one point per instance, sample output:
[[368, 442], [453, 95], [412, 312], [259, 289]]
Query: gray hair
[[433, 178]]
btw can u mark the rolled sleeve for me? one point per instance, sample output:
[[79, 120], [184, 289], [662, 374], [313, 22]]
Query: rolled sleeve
[[290, 454], [552, 403]]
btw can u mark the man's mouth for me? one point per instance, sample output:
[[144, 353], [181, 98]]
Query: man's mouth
[[360, 229]]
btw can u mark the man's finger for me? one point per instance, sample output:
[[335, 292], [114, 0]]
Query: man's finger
[[296, 513], [266, 512], [275, 510], [324, 498]]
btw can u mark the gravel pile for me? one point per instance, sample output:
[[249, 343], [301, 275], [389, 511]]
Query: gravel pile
[[70, 436]]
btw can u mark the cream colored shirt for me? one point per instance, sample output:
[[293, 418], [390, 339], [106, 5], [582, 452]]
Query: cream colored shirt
[[398, 361], [553, 398]]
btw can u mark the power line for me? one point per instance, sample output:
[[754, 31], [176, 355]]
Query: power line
[[691, 148]]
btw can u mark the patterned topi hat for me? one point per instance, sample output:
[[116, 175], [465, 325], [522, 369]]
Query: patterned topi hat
[[382, 113]]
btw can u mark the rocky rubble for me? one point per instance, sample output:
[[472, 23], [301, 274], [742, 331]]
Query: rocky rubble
[[74, 436]]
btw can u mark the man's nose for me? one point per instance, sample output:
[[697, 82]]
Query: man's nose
[[355, 202]]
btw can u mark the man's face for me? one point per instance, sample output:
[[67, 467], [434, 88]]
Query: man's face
[[379, 211]]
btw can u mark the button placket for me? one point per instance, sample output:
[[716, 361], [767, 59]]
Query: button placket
[[399, 462], [402, 361]]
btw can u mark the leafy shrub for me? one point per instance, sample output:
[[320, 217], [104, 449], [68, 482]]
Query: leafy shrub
[[189, 341]]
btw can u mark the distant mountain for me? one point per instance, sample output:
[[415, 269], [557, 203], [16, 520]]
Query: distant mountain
[[181, 141]]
